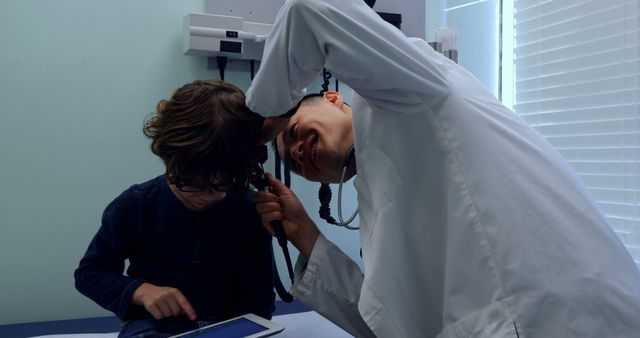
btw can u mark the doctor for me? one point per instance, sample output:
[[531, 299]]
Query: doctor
[[471, 223]]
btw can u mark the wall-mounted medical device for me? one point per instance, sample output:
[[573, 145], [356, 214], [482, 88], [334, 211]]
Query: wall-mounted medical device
[[223, 35], [236, 30]]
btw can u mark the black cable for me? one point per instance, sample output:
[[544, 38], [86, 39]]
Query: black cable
[[222, 65], [277, 162], [278, 165], [325, 80], [282, 241], [277, 226], [324, 194], [287, 176], [252, 63], [277, 283]]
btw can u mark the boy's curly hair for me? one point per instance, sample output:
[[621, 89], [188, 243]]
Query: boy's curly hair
[[204, 131]]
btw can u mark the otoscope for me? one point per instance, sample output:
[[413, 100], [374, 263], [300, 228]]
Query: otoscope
[[260, 182]]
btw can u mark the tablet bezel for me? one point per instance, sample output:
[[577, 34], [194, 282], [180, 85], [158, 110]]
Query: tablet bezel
[[272, 328]]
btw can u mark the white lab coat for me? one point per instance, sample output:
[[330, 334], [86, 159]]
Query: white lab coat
[[472, 225]]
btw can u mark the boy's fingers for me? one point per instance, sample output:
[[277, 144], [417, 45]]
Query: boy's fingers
[[155, 312], [175, 307], [164, 309], [186, 307]]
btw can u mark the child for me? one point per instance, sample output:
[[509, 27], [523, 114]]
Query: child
[[198, 253]]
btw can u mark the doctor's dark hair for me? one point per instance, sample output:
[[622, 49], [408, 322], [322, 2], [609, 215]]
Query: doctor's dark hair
[[309, 98], [204, 131]]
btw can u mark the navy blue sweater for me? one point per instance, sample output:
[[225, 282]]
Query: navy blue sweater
[[220, 259]]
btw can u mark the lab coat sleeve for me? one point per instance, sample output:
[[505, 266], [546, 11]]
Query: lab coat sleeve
[[330, 283], [360, 49]]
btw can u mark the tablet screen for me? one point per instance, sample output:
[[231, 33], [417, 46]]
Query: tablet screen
[[236, 328]]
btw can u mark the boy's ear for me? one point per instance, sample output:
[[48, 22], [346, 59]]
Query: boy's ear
[[271, 127], [335, 98]]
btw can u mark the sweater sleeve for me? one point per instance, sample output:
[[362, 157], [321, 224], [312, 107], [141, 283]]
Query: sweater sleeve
[[359, 48], [100, 272]]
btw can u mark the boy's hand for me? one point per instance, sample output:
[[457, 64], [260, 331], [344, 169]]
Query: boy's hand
[[162, 301]]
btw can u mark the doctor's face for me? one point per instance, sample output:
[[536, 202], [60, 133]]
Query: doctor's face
[[317, 138]]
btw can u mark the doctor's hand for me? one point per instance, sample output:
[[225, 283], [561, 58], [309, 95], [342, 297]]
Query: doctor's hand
[[162, 301], [282, 204]]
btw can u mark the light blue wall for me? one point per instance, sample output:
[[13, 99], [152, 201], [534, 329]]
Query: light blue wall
[[434, 17], [478, 37], [477, 22], [77, 78]]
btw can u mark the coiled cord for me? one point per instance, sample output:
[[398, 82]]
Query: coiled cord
[[324, 195]]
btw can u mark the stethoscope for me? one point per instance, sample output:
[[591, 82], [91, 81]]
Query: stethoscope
[[350, 155], [325, 197]]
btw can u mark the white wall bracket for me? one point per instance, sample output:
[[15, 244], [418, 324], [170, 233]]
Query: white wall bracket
[[223, 35]]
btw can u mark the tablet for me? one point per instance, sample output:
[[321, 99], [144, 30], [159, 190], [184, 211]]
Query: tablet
[[249, 325]]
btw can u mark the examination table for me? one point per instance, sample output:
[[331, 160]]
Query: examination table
[[297, 318]]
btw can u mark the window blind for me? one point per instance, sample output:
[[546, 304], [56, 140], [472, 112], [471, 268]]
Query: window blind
[[577, 81]]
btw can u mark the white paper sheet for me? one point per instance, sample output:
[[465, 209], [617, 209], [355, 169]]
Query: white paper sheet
[[304, 324]]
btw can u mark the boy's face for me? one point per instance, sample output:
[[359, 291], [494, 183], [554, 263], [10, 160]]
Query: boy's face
[[198, 201], [316, 140]]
